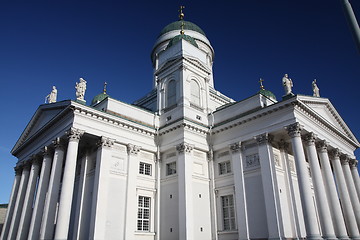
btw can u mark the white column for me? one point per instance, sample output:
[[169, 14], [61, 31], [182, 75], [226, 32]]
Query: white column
[[12, 201], [34, 231], [214, 227], [240, 194], [311, 225], [24, 224], [47, 224], [63, 219], [270, 190], [355, 175], [327, 227], [100, 192], [131, 204], [349, 216], [331, 192], [184, 171], [19, 201], [351, 188]]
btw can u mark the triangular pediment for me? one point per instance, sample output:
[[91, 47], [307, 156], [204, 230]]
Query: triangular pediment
[[189, 60], [43, 115], [326, 111]]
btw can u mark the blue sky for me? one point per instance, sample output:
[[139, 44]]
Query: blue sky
[[46, 43]]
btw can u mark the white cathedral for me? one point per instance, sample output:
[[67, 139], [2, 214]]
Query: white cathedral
[[185, 162]]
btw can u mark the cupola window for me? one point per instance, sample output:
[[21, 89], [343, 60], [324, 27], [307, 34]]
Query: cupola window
[[195, 93], [171, 93]]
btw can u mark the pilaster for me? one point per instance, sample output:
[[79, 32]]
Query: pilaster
[[311, 225], [63, 219], [186, 211], [240, 192], [270, 190], [318, 183], [349, 216], [100, 191]]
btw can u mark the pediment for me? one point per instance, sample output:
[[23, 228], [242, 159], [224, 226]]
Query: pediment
[[193, 61], [325, 110], [43, 115]]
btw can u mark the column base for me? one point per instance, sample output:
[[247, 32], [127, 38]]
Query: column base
[[331, 237], [314, 237]]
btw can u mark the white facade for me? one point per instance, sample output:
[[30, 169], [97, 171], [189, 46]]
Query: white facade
[[186, 162]]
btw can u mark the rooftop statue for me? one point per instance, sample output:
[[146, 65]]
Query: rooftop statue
[[288, 84], [51, 97], [80, 89], [316, 91]]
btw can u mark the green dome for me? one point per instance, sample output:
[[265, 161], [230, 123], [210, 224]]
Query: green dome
[[267, 93], [177, 38], [98, 98], [177, 26]]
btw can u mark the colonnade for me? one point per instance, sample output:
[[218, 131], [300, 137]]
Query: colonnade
[[337, 199], [44, 212]]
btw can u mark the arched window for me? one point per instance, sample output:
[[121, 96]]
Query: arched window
[[195, 93], [171, 93]]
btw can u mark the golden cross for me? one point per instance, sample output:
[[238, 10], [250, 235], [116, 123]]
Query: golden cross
[[182, 28], [105, 83], [261, 84], [181, 15]]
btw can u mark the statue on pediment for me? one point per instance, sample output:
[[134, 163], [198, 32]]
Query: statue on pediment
[[51, 97], [80, 89], [316, 91], [288, 84]]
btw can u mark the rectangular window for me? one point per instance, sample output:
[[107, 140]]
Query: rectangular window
[[143, 218], [227, 203], [145, 168], [224, 167], [171, 168]]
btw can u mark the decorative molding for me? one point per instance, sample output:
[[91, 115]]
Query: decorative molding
[[294, 130], [310, 138], [184, 148], [133, 149], [252, 160], [277, 160], [264, 138], [322, 146], [105, 142], [335, 153], [292, 165], [186, 126], [74, 134]]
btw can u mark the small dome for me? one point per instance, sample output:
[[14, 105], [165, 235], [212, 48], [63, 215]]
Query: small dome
[[98, 98], [268, 94], [177, 38], [177, 26]]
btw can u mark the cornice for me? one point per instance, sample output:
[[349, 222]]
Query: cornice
[[181, 59], [186, 124]]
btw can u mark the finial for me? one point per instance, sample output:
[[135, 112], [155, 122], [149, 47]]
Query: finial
[[182, 28], [105, 83], [261, 84], [181, 15]]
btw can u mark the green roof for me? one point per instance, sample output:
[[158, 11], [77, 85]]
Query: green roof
[[177, 38], [177, 26], [267, 93], [98, 98]]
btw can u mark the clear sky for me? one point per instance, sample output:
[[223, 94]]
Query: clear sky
[[46, 43]]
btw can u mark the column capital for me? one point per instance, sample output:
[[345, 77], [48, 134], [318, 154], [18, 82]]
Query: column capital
[[18, 170], [344, 159], [263, 138], [133, 149], [294, 130], [35, 159], [310, 138], [322, 146], [353, 163], [74, 134], [105, 142], [184, 148], [26, 165], [58, 143], [235, 147], [45, 151], [335, 153], [283, 145]]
